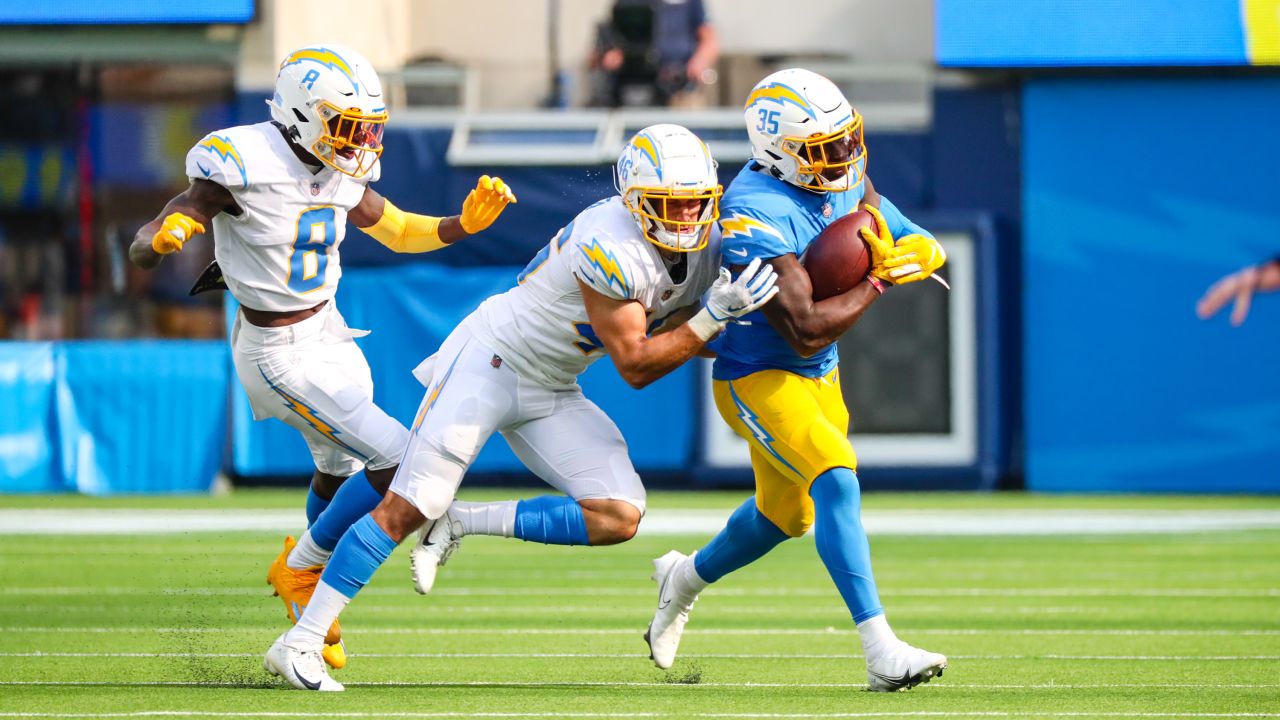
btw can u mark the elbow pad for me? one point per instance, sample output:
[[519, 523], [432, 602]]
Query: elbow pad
[[406, 232]]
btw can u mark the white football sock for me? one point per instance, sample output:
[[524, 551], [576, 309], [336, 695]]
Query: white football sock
[[325, 606], [493, 518], [876, 635], [307, 554], [688, 581]]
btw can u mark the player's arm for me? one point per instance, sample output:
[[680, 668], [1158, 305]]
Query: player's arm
[[641, 358], [808, 326], [406, 232], [678, 318], [183, 217]]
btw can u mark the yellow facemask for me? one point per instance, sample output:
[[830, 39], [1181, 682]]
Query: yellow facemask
[[822, 156], [353, 140], [661, 220]]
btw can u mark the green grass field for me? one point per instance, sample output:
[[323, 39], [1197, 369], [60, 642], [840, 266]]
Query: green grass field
[[1183, 624]]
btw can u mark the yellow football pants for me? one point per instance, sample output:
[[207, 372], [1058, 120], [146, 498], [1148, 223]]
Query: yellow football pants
[[798, 428]]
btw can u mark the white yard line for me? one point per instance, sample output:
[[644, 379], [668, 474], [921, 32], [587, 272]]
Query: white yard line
[[632, 631], [644, 592], [632, 656], [563, 714], [94, 521]]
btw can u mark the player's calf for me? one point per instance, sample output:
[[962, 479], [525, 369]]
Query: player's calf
[[609, 522]]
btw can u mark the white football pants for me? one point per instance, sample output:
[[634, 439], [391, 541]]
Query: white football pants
[[313, 376]]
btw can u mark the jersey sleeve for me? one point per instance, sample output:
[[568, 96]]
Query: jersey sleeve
[[217, 158], [607, 270], [899, 225], [750, 233]]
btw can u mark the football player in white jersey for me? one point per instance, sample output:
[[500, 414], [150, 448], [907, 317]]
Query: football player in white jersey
[[600, 286], [278, 195]]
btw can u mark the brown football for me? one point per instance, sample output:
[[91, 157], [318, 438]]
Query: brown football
[[839, 259]]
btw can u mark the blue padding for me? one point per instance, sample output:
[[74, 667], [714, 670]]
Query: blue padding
[[355, 499], [359, 554], [1025, 33], [411, 309], [28, 450], [1126, 225], [315, 506], [551, 520], [142, 416]]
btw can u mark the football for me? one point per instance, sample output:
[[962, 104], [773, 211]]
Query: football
[[839, 259]]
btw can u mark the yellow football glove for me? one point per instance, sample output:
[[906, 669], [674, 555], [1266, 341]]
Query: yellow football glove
[[175, 230], [914, 258], [484, 204], [881, 244]]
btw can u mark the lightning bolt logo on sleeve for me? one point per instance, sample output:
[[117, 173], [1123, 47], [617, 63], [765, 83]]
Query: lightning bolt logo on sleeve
[[741, 225], [313, 418], [608, 271], [222, 148], [762, 436]]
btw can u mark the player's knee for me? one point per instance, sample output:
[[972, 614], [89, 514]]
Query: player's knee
[[325, 484], [839, 484], [794, 522], [610, 522], [397, 516], [797, 526], [380, 479]]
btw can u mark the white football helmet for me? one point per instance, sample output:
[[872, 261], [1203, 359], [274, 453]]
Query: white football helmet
[[329, 99], [667, 179], [805, 132]]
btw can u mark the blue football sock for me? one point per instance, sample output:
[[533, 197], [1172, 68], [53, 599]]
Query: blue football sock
[[353, 501], [842, 543], [551, 520], [745, 539], [315, 506], [359, 554]]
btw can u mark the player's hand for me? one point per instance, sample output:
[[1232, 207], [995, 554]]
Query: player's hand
[[484, 204], [914, 258], [1240, 287], [880, 243], [175, 230], [730, 299]]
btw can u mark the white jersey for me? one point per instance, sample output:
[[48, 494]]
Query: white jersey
[[540, 327], [281, 252]]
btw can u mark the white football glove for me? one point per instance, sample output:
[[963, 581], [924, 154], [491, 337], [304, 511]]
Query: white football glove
[[730, 299]]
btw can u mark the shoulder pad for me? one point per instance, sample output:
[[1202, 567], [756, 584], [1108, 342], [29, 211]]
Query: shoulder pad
[[599, 263], [217, 158]]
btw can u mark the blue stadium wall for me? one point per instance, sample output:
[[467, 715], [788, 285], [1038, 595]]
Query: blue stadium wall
[[1116, 201], [1138, 193]]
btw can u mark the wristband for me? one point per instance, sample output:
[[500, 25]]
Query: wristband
[[876, 283], [704, 325]]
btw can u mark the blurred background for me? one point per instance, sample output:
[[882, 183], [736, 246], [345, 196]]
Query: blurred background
[[1091, 167]]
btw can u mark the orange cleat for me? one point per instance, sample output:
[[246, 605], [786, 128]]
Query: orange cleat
[[295, 587]]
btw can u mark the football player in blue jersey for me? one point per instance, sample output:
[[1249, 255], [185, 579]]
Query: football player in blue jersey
[[775, 378]]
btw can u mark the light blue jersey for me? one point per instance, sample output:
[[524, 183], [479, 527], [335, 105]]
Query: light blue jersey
[[763, 217]]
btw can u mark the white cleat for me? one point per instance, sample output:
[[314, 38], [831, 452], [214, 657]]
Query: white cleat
[[674, 605], [303, 669], [437, 540], [902, 668]]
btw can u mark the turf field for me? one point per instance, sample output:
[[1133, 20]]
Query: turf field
[[1181, 623]]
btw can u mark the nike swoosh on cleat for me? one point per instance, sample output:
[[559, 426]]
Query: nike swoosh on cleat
[[663, 600], [309, 684], [904, 681]]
